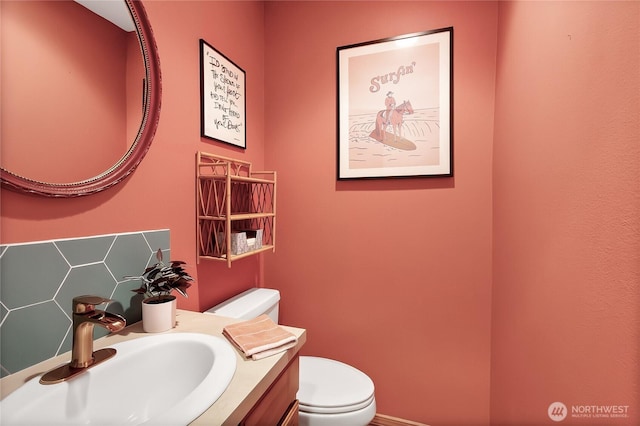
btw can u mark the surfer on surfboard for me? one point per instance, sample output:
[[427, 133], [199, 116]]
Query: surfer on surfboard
[[393, 115], [390, 104]]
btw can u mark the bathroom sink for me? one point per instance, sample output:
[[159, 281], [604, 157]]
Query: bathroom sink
[[167, 379]]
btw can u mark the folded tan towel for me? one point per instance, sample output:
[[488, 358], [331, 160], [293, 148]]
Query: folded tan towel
[[259, 337]]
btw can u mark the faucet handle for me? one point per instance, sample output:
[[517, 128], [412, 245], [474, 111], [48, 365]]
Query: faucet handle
[[85, 304]]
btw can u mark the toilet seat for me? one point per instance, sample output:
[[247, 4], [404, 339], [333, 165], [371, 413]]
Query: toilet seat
[[331, 387]]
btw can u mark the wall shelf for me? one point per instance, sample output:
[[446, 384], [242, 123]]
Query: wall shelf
[[236, 208]]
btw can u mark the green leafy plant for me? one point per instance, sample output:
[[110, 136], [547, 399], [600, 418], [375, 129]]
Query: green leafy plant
[[161, 279]]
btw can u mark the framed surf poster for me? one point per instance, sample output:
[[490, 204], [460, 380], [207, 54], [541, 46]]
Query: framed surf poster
[[395, 104], [223, 101]]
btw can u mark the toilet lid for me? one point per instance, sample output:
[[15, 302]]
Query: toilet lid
[[328, 386]]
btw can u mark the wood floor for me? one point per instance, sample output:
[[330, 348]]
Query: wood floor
[[382, 420]]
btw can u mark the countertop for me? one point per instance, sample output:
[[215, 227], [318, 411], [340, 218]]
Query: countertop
[[250, 381]]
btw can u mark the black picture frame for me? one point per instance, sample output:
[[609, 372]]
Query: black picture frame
[[379, 137], [223, 100]]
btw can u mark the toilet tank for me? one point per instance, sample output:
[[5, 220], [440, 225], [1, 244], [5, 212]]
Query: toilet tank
[[250, 304]]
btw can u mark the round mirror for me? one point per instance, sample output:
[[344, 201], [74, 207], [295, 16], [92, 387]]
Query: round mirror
[[79, 110]]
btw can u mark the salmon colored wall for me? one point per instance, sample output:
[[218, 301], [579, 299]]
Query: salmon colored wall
[[566, 288], [161, 192], [44, 88], [390, 276], [395, 276]]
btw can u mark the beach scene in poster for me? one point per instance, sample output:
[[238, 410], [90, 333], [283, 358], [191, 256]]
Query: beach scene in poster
[[394, 103]]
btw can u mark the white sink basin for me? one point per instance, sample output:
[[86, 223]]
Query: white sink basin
[[167, 379]]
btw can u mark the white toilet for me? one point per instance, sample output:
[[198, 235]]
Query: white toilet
[[331, 393]]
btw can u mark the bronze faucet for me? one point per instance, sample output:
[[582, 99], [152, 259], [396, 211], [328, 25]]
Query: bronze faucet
[[85, 317]]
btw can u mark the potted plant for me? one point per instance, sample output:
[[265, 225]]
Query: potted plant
[[157, 283]]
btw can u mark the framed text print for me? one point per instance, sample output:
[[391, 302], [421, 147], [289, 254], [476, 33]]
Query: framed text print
[[223, 101], [395, 103]]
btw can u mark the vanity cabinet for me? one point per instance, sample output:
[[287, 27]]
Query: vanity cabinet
[[278, 405], [236, 208]]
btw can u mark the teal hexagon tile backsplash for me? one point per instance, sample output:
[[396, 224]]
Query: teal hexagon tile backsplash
[[31, 273], [127, 303], [81, 251], [95, 280], [32, 334], [39, 280], [3, 313], [128, 256], [157, 239]]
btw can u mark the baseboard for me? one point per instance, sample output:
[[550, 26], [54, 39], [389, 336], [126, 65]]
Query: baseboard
[[382, 420]]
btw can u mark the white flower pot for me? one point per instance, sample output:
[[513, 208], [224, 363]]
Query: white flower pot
[[158, 314]]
